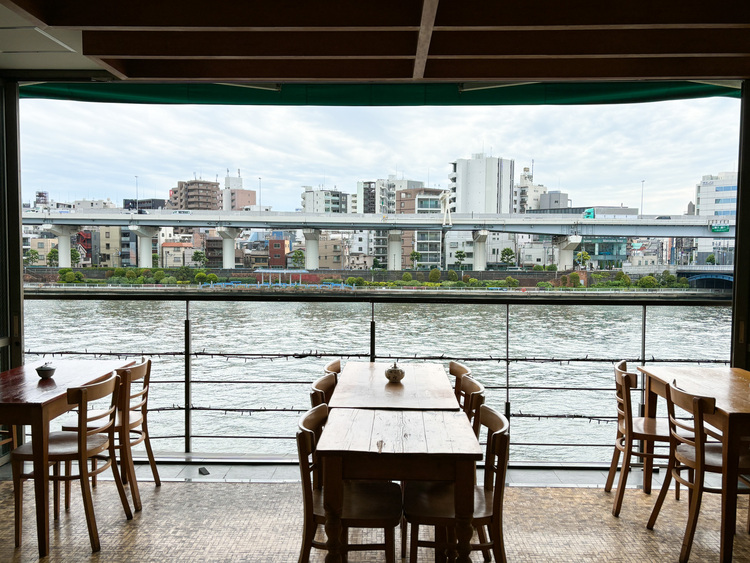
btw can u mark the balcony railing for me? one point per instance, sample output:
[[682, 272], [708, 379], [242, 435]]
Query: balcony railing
[[232, 371]]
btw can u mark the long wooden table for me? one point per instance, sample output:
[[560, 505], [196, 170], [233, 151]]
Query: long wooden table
[[731, 389], [25, 399], [413, 430], [425, 386]]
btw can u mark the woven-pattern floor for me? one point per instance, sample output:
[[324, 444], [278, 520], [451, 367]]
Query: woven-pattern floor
[[262, 522]]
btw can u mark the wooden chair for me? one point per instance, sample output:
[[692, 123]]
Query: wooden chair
[[429, 503], [367, 504], [93, 438], [9, 435], [471, 397], [322, 389], [131, 427], [691, 452], [458, 371], [631, 429]]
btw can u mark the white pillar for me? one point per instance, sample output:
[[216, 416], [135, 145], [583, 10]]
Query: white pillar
[[312, 248], [566, 248], [145, 246], [394, 250], [228, 234], [63, 233], [480, 250]]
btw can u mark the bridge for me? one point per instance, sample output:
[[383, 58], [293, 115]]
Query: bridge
[[704, 276], [566, 228]]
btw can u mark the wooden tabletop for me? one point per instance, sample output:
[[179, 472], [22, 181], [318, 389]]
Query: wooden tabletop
[[729, 386], [363, 385], [404, 433]]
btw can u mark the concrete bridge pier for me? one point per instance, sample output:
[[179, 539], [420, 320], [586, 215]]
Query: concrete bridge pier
[[145, 247], [480, 249], [312, 248], [566, 247], [228, 236], [394, 250], [63, 233]]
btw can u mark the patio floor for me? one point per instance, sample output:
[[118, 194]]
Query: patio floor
[[222, 519]]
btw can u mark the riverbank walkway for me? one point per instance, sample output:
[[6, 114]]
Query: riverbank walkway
[[252, 512]]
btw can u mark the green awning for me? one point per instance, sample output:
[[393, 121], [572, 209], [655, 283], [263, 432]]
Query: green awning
[[567, 93]]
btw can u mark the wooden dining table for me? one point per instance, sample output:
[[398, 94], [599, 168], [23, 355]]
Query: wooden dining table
[[412, 430], [731, 389], [25, 399]]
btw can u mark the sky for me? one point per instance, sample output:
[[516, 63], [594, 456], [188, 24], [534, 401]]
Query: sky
[[599, 155]]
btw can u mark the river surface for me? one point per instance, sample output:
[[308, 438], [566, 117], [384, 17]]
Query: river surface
[[230, 392]]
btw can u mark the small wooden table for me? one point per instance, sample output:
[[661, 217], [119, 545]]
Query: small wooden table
[[731, 389], [25, 399], [398, 445], [425, 386]]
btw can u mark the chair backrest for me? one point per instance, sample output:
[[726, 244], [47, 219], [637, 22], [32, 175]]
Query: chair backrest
[[458, 371], [470, 399], [496, 454], [99, 421], [333, 366], [624, 382], [694, 432], [310, 428], [133, 403], [322, 389]]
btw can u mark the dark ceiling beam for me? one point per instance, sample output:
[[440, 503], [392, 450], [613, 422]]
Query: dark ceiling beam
[[429, 10], [617, 68], [145, 44], [231, 14]]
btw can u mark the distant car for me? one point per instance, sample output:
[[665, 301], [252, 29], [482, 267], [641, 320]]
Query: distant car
[[663, 217], [142, 212], [181, 212]]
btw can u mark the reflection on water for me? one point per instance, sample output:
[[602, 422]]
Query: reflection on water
[[404, 330]]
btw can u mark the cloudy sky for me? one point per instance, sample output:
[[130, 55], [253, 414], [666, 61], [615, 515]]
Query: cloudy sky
[[597, 154]]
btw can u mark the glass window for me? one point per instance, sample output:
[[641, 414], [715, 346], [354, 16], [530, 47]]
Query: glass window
[[40, 245], [106, 234]]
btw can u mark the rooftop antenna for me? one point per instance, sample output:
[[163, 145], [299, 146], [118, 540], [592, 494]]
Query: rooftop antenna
[[238, 172], [532, 169]]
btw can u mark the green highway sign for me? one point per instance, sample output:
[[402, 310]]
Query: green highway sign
[[719, 228]]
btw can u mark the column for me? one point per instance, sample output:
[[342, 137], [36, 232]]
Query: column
[[566, 247], [228, 235], [480, 249], [63, 233], [312, 248], [145, 248], [394, 250]]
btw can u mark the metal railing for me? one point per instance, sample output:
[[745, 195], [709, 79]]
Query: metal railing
[[500, 393]]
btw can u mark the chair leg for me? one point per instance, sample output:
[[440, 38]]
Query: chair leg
[[403, 537], [88, 507], [498, 544], [17, 467], [390, 545], [695, 507], [150, 454], [613, 465], [118, 482], [662, 495], [483, 539], [68, 469], [56, 490], [623, 481], [308, 534], [414, 539]]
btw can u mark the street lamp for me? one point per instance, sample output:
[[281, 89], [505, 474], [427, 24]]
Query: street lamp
[[136, 194], [642, 182], [260, 195]]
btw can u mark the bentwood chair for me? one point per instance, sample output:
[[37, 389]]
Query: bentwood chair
[[9, 436], [458, 371], [366, 504], [691, 452], [131, 427], [93, 438], [471, 397], [428, 503], [322, 389], [630, 430], [334, 367]]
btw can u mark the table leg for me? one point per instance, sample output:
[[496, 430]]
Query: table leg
[[729, 491], [40, 438], [333, 503], [650, 401], [464, 502]]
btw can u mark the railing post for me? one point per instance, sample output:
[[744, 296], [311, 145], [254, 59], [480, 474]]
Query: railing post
[[188, 389], [372, 331], [507, 361]]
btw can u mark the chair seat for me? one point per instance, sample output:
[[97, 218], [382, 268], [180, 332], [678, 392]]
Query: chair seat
[[365, 502], [655, 428], [63, 445], [432, 503], [714, 461]]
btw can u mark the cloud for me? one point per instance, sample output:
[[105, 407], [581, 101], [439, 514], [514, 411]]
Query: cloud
[[598, 154]]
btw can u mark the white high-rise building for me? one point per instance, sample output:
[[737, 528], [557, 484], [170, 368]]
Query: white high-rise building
[[716, 196], [527, 194], [324, 201]]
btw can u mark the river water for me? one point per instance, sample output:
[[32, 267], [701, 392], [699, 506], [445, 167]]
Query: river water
[[228, 413]]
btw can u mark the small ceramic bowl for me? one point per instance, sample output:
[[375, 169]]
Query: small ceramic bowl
[[45, 371]]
